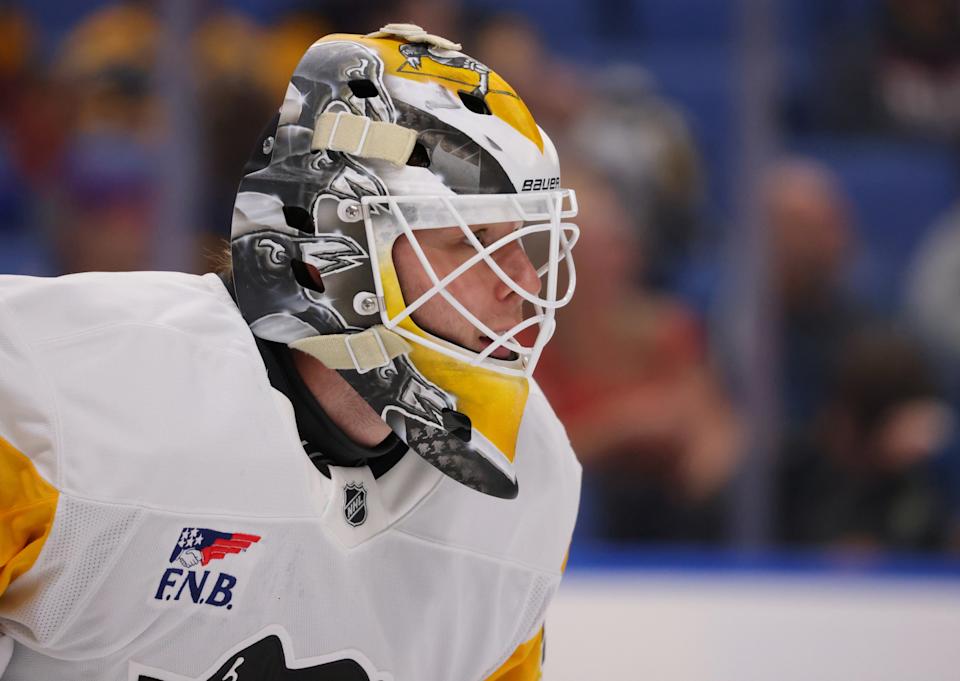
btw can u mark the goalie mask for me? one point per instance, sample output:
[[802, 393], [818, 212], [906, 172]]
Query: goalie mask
[[386, 143]]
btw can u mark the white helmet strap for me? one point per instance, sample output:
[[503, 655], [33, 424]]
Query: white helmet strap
[[369, 349], [360, 136], [414, 34]]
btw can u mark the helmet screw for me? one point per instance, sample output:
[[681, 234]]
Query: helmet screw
[[350, 211], [365, 303], [268, 145]]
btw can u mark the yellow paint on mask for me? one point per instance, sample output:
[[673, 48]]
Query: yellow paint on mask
[[502, 100], [493, 401]]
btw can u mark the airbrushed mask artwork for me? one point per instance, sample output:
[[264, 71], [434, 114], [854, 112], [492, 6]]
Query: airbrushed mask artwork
[[381, 137]]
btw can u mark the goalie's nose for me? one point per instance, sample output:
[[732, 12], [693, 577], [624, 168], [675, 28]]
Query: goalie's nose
[[516, 264]]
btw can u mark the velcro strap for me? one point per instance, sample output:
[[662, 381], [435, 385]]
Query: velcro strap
[[362, 136], [414, 34], [363, 351]]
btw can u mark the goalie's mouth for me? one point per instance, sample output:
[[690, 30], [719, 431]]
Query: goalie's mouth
[[481, 344], [500, 353]]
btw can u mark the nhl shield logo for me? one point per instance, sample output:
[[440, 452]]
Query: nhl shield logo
[[354, 503]]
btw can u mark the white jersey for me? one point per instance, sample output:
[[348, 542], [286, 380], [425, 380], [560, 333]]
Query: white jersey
[[192, 539]]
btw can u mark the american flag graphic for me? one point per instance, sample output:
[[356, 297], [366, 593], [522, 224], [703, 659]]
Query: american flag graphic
[[211, 544]]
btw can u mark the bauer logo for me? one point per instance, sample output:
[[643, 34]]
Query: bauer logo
[[540, 183], [187, 580]]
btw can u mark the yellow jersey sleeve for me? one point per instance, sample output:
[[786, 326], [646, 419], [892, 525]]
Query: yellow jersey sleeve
[[524, 664], [27, 505]]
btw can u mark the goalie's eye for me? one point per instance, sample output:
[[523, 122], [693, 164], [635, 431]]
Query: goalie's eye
[[481, 235]]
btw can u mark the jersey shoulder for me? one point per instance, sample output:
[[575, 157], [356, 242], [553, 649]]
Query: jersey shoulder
[[119, 374], [47, 308], [99, 319]]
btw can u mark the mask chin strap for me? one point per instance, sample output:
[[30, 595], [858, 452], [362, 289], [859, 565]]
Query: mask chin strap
[[369, 349], [450, 444]]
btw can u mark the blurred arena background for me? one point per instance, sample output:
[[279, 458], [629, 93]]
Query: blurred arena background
[[761, 369]]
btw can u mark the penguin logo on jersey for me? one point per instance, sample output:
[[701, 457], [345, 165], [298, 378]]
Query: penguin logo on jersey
[[354, 503], [269, 654]]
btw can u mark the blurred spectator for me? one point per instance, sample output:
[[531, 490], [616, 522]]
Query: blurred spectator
[[811, 242], [932, 305], [284, 42], [30, 139], [627, 373], [34, 114], [902, 74], [861, 419], [552, 89], [110, 60], [16, 47], [106, 66], [17, 40], [933, 289], [106, 215], [235, 103], [860, 477], [919, 66], [647, 150]]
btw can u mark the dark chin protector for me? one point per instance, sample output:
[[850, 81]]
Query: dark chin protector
[[325, 443]]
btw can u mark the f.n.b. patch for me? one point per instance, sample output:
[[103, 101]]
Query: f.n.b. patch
[[187, 580]]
